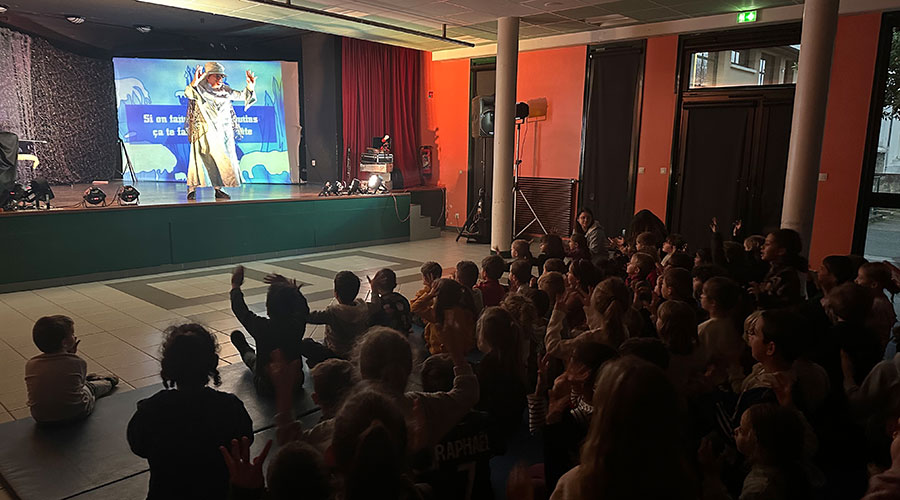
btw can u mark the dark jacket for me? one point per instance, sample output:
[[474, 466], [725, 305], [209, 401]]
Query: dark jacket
[[179, 433], [269, 335]]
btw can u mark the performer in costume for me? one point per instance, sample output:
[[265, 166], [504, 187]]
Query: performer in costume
[[212, 128]]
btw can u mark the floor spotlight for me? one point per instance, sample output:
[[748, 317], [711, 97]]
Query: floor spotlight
[[354, 187], [129, 195], [94, 196], [40, 191], [376, 184]]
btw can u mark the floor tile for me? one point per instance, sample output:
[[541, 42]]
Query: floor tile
[[21, 413], [146, 381], [15, 399], [138, 371], [5, 416], [123, 359]]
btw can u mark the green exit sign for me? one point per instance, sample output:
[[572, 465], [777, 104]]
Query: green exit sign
[[747, 17]]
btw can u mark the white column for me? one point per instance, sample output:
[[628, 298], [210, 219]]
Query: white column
[[504, 133], [808, 124]]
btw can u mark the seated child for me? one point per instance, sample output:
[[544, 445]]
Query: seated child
[[431, 272], [646, 242], [674, 243], [179, 429], [641, 267], [492, 268], [719, 335], [448, 299], [519, 275], [553, 283], [333, 380], [578, 247], [385, 359], [298, 471], [452, 464], [677, 284], [772, 439], [521, 250], [283, 329], [552, 247], [389, 308], [555, 265], [467, 275], [782, 285], [344, 322], [59, 387], [876, 278], [677, 326]]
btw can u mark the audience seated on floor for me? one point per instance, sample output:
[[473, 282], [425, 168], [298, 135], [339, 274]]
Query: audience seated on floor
[[628, 391]]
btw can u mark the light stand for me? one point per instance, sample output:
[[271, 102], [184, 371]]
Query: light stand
[[128, 165], [517, 191]]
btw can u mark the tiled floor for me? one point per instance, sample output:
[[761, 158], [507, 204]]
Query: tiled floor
[[120, 322]]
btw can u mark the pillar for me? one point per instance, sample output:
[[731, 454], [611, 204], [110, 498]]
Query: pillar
[[504, 133], [808, 124]]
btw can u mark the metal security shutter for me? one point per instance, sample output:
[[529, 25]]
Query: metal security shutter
[[553, 200]]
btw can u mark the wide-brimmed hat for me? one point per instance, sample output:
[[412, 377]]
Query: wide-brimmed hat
[[214, 68]]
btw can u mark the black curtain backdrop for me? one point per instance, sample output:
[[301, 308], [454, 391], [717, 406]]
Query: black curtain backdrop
[[65, 99]]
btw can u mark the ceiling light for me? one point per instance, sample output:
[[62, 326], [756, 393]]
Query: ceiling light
[[143, 28], [75, 19]]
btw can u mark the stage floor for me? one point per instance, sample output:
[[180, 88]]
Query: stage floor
[[69, 197]]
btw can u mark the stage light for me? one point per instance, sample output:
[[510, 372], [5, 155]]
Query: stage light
[[355, 187], [75, 19], [376, 184], [94, 196], [129, 195], [3, 9], [40, 191], [143, 28]]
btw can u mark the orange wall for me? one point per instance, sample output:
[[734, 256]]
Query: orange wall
[[846, 121], [657, 125], [551, 146], [446, 127]]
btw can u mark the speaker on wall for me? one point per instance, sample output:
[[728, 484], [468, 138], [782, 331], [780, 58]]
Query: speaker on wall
[[483, 116]]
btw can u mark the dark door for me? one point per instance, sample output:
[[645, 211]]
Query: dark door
[[610, 146], [731, 162]]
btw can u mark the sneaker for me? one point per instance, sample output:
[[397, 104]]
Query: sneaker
[[222, 195], [240, 342], [192, 195], [114, 380]]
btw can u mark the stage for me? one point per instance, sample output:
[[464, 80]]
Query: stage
[[73, 243]]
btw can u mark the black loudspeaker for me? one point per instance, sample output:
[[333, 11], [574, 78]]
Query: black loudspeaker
[[483, 116]]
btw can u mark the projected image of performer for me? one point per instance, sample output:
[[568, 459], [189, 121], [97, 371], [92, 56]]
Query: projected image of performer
[[212, 128]]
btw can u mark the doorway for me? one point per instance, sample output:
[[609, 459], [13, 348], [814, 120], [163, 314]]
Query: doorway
[[733, 131], [611, 131]]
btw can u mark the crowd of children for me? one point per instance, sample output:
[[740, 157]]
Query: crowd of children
[[645, 371]]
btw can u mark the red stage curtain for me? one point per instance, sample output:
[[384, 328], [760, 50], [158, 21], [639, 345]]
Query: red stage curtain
[[381, 91]]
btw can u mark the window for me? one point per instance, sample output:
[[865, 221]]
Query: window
[[746, 67], [740, 58], [878, 214]]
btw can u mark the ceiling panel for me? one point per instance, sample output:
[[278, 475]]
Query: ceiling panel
[[473, 19]]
